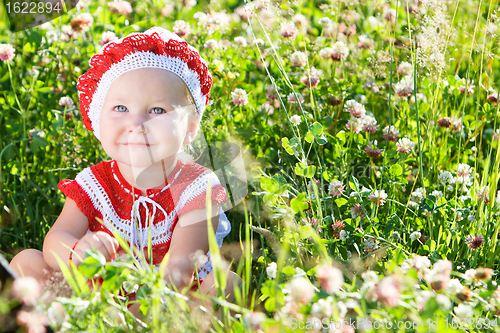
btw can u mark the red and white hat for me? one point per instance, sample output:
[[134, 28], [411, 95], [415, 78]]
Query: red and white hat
[[155, 48]]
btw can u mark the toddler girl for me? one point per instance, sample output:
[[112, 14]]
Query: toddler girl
[[143, 98]]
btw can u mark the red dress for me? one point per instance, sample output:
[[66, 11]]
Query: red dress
[[101, 191]]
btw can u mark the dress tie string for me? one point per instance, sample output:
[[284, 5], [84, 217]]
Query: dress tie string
[[135, 213]]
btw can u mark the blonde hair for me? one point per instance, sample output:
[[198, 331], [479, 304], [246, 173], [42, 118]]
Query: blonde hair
[[184, 153]]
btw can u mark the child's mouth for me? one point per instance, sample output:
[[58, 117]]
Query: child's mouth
[[137, 145]]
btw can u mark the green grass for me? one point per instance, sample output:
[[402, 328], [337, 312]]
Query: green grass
[[281, 158]]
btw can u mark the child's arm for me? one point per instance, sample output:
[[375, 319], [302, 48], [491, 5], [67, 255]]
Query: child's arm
[[70, 227], [190, 235]]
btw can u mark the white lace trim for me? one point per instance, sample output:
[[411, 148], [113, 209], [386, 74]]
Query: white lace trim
[[160, 232], [138, 60]]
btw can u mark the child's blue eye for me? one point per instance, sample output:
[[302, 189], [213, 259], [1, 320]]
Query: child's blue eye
[[157, 108], [120, 108]]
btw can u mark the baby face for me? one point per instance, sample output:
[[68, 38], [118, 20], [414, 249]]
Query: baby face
[[144, 118]]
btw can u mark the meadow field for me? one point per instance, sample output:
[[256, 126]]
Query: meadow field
[[369, 133]]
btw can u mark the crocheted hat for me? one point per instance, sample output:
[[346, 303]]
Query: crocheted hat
[[155, 48]]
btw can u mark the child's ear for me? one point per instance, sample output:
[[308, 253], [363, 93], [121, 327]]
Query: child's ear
[[191, 132]]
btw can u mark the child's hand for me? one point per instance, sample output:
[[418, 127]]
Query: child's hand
[[101, 241]]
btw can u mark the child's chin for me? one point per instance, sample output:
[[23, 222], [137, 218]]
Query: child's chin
[[142, 163], [139, 164]]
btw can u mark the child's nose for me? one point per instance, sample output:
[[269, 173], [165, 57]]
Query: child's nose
[[137, 122]]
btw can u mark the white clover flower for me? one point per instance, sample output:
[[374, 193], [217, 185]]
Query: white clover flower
[[300, 20], [211, 44], [390, 133], [365, 42], [464, 311], [292, 98], [254, 320], [420, 97], [181, 28], [32, 72], [464, 198], [66, 101], [239, 96], [464, 172], [301, 289], [322, 309], [491, 28], [454, 287], [367, 289], [470, 275], [57, 315], [456, 123], [86, 20], [266, 108], [370, 276], [378, 197], [405, 267], [442, 267], [26, 289], [360, 98], [369, 124], [405, 68], [241, 41], [344, 235], [316, 72], [288, 30], [271, 270], [405, 87], [326, 53], [340, 51], [258, 41], [395, 234], [200, 16], [342, 308], [51, 36], [296, 120], [415, 235], [412, 204], [330, 278], [437, 194], [325, 21], [405, 146], [7, 52], [418, 195], [354, 108], [374, 22], [108, 36], [389, 14], [445, 177], [421, 262], [120, 6], [299, 59], [336, 188], [355, 124], [370, 245], [483, 194]]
